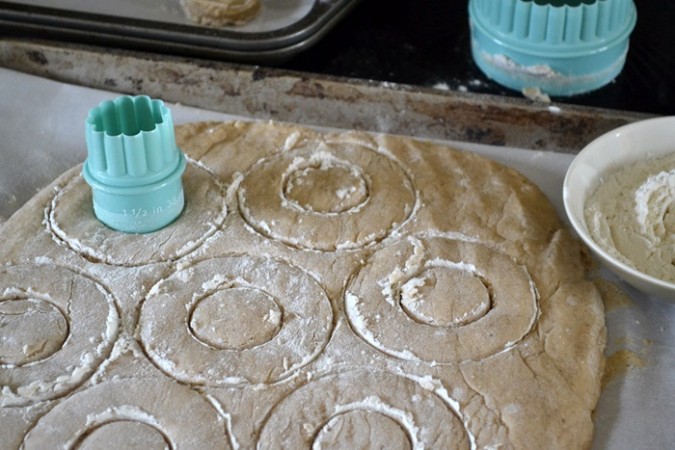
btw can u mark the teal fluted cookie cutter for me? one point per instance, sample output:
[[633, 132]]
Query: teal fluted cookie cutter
[[133, 165], [562, 47]]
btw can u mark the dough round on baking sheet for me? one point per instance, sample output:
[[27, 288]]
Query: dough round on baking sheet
[[221, 12], [327, 196], [72, 220], [235, 320], [131, 414], [487, 302], [57, 326], [363, 409]]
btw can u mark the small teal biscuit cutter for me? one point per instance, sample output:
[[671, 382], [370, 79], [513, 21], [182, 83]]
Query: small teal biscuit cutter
[[133, 165]]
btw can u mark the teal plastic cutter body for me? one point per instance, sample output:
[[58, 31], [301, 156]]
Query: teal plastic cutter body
[[562, 47], [134, 166]]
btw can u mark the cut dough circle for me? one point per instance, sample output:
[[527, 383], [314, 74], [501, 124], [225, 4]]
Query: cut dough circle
[[284, 321], [125, 434], [335, 189], [216, 320], [391, 306], [72, 221], [341, 409], [153, 410], [361, 429], [32, 330], [327, 196], [442, 297], [57, 327]]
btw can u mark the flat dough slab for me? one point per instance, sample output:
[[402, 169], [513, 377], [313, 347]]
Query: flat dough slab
[[322, 290]]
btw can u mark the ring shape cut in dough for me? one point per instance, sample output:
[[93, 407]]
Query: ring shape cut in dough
[[363, 410], [126, 434], [72, 221], [346, 430], [33, 329], [327, 196], [57, 326], [139, 414], [234, 321], [441, 300]]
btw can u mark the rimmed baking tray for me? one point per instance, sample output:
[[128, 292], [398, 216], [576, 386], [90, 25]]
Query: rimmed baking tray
[[282, 29]]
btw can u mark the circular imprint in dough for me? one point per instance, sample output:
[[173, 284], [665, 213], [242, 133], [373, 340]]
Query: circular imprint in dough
[[327, 196], [441, 300], [32, 330], [445, 296], [72, 221], [125, 434], [235, 320], [57, 326], [132, 414], [335, 189], [346, 430], [363, 410]]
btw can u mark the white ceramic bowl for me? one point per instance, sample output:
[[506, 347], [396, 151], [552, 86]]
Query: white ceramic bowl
[[638, 141]]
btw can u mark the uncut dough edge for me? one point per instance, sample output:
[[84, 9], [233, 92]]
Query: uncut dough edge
[[557, 367]]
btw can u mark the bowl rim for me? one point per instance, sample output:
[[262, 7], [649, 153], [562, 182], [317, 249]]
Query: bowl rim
[[579, 224]]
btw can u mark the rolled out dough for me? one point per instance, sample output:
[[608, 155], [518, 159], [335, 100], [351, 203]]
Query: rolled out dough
[[321, 290]]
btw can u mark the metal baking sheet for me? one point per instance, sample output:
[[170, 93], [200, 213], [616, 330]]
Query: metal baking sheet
[[281, 29], [274, 15]]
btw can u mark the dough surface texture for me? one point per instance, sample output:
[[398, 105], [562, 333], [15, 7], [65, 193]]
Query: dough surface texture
[[320, 291]]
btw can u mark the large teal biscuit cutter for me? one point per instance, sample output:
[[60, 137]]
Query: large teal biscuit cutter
[[562, 47]]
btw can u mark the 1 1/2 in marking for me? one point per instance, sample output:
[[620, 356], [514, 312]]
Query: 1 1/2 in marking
[[141, 212]]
